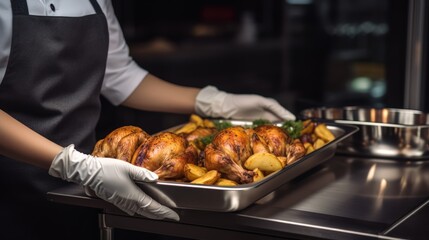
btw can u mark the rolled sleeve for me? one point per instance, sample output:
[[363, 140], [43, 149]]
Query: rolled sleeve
[[119, 83]]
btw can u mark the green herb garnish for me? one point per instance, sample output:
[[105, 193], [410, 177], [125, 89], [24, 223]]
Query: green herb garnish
[[206, 140], [293, 128], [220, 125], [260, 122]]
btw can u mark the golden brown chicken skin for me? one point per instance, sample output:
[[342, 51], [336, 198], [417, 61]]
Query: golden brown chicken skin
[[120, 143], [294, 151], [257, 143], [200, 132], [275, 138], [227, 153], [166, 154]]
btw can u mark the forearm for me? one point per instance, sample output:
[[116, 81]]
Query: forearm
[[21, 143], [154, 94]]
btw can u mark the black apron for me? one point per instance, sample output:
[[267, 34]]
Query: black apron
[[52, 84]]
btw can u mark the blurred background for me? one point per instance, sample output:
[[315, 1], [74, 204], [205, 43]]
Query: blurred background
[[304, 53]]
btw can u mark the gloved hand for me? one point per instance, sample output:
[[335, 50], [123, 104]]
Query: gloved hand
[[211, 102], [111, 180]]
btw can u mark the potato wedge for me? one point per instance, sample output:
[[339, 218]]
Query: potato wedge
[[308, 147], [225, 182], [192, 171], [208, 123], [266, 162], [308, 127], [187, 128], [318, 144], [283, 159], [314, 137], [197, 120], [324, 133], [208, 179], [259, 175]]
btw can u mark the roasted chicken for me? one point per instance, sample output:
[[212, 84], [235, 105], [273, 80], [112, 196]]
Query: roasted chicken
[[120, 143], [275, 138], [165, 154], [231, 148], [227, 153], [200, 132], [257, 143], [294, 151]]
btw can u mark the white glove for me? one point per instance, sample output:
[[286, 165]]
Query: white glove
[[211, 102], [111, 180]]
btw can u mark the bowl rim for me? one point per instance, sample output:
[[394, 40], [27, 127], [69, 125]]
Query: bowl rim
[[305, 114]]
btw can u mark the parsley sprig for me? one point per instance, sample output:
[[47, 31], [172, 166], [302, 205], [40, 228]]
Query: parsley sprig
[[293, 128]]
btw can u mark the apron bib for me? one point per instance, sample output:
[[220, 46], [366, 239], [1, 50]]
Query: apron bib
[[52, 85]]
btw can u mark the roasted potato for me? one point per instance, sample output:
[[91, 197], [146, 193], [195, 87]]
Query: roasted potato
[[192, 171], [208, 123], [197, 120], [309, 147], [187, 128], [324, 133], [266, 162], [208, 179], [225, 182], [283, 159], [318, 144], [308, 127], [259, 175]]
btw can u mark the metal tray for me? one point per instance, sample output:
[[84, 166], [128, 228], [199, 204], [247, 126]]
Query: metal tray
[[401, 134], [228, 199]]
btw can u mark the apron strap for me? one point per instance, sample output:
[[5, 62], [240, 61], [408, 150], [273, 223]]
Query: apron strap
[[20, 7], [96, 7]]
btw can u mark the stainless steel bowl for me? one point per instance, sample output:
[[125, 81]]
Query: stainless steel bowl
[[383, 132]]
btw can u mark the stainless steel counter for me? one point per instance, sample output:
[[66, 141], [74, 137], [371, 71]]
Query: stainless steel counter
[[344, 198]]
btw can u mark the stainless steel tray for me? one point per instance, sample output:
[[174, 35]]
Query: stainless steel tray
[[228, 199]]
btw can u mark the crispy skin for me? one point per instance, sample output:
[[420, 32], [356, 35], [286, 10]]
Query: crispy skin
[[216, 159], [275, 138], [120, 143], [257, 143], [294, 151], [227, 153], [234, 142], [173, 168], [279, 143], [199, 133], [166, 154], [129, 144]]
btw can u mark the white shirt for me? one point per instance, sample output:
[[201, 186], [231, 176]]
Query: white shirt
[[122, 73]]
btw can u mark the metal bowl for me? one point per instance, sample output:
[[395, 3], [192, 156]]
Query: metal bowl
[[383, 132]]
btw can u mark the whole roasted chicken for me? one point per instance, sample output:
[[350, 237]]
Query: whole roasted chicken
[[227, 153], [165, 154], [273, 139], [120, 143]]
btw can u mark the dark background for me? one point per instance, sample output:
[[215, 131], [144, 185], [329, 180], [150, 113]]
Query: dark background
[[303, 53]]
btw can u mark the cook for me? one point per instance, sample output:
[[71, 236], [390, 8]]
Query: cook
[[56, 58]]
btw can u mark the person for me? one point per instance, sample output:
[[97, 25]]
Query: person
[[56, 59]]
